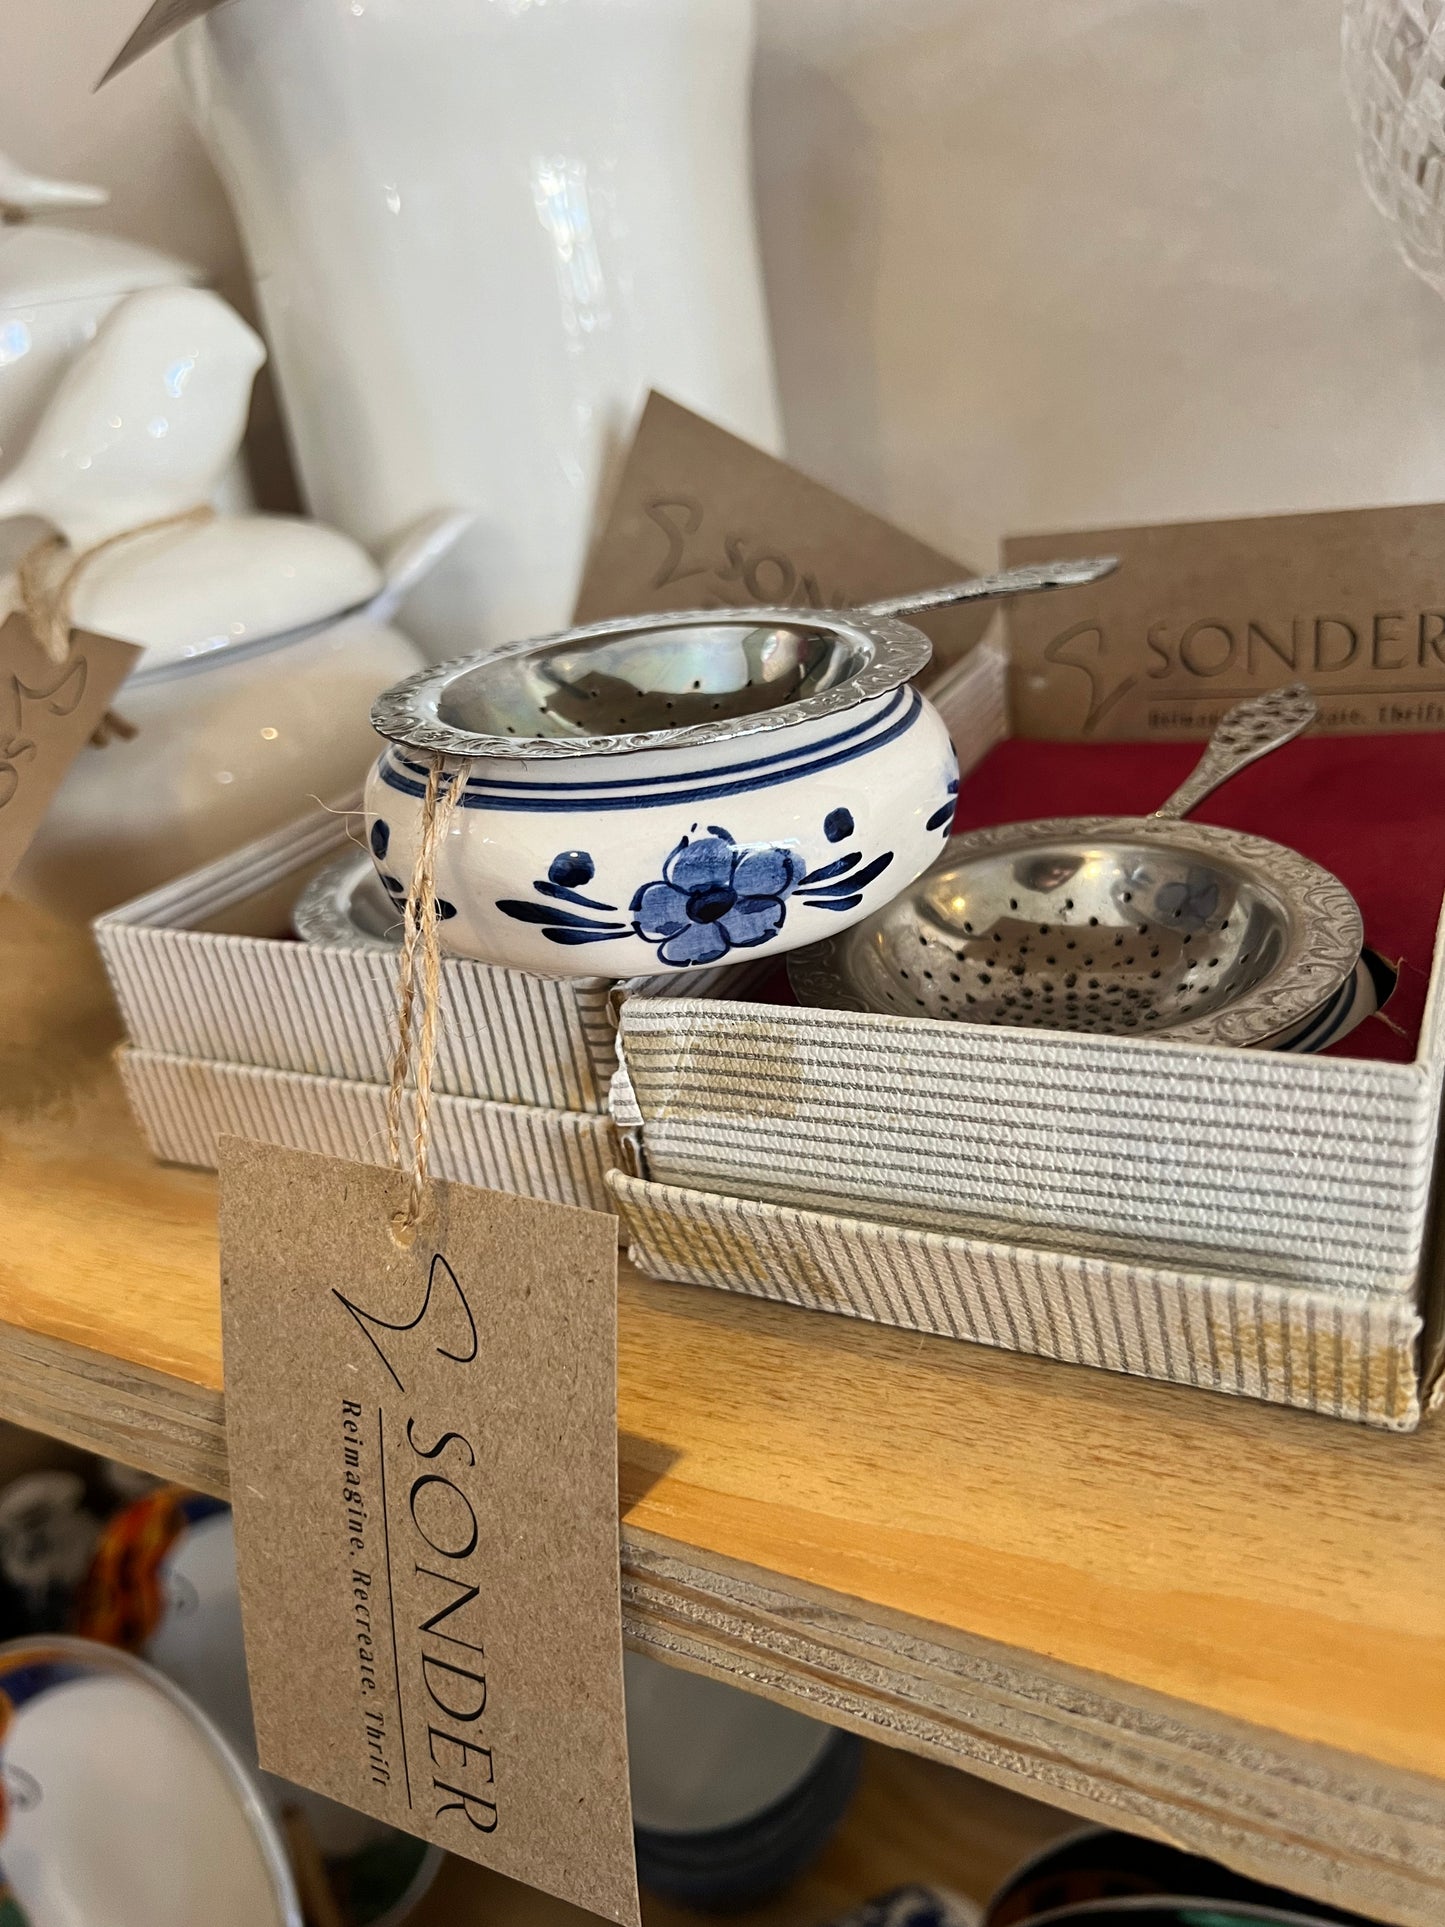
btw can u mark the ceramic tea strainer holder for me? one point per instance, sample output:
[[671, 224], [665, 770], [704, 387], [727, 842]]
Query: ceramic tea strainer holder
[[675, 790]]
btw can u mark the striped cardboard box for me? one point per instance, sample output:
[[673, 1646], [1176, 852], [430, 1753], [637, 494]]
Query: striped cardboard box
[[1291, 1194], [198, 972], [1350, 1355], [1311, 1171], [184, 1105], [1307, 1171]]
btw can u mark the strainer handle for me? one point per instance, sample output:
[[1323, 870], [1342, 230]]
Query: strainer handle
[[988, 588], [1242, 735]]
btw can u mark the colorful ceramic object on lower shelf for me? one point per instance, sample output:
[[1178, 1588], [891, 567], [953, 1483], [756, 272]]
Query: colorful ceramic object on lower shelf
[[1101, 1877], [163, 1584], [123, 1803], [915, 1906]]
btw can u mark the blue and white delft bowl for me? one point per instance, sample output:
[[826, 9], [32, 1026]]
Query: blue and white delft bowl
[[668, 792]]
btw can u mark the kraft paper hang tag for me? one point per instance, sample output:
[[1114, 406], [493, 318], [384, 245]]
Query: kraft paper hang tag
[[1200, 614], [703, 520], [423, 1450], [161, 21], [48, 713]]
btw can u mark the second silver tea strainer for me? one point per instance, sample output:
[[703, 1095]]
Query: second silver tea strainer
[[1116, 925]]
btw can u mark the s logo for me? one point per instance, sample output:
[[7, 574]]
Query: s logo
[[1083, 648]]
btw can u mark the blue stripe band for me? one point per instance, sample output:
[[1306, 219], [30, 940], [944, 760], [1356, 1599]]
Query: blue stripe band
[[545, 797]]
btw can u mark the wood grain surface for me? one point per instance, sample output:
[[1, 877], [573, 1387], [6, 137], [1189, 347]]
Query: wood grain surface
[[1222, 1621], [910, 1822]]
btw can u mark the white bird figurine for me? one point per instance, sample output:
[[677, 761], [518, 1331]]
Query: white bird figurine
[[22, 192], [144, 423]]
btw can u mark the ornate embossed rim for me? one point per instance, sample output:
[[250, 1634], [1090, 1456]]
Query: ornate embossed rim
[[897, 652], [1325, 932], [323, 911]]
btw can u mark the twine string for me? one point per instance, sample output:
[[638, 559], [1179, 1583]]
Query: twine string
[[418, 994], [47, 602], [46, 599]]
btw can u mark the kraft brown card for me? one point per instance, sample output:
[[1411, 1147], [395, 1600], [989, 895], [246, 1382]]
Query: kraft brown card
[[703, 520], [48, 713], [1200, 614], [423, 1449]]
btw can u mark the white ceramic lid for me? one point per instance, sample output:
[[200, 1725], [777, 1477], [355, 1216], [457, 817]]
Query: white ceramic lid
[[40, 264], [192, 592]]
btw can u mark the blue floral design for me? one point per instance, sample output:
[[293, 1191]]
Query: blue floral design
[[569, 869], [942, 817], [715, 896], [380, 840]]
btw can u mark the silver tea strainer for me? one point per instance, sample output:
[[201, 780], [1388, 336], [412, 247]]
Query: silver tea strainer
[[1116, 925]]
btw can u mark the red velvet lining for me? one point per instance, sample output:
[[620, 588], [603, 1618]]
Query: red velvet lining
[[1370, 808]]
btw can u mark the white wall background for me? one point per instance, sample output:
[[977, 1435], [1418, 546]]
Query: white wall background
[[1031, 263]]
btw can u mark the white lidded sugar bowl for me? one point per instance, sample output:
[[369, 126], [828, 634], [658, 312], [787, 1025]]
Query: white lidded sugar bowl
[[265, 637], [57, 285], [225, 736], [680, 790]]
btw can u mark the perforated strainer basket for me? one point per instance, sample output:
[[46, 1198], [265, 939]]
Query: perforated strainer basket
[[1119, 925]]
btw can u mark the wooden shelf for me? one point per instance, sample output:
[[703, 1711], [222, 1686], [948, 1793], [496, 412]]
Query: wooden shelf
[[1192, 1615], [911, 1822]]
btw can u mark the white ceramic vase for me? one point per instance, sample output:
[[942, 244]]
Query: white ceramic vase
[[480, 231]]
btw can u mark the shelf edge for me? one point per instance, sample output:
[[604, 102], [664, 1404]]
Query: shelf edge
[[1328, 1824]]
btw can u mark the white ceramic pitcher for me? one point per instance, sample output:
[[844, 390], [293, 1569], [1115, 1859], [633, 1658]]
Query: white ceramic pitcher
[[480, 231]]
